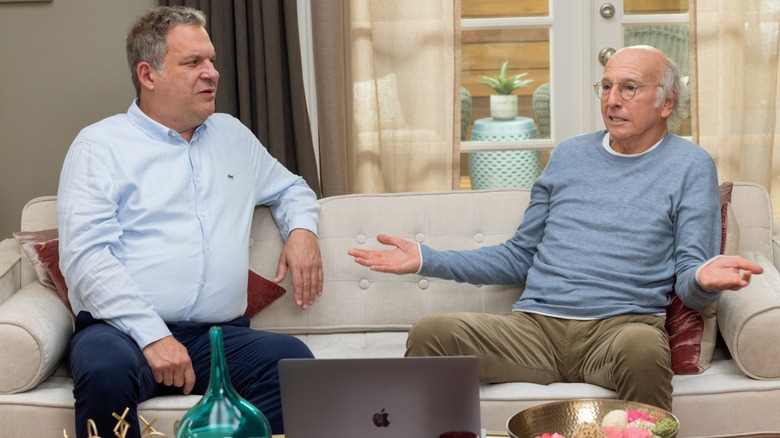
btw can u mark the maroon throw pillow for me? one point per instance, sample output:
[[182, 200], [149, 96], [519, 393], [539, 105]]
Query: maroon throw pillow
[[260, 293]]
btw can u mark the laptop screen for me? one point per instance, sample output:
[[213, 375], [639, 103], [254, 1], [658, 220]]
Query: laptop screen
[[380, 397]]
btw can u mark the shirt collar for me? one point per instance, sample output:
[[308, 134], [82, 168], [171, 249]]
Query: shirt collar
[[156, 130], [605, 144]]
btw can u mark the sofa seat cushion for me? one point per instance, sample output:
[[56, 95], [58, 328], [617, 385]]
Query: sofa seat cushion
[[500, 401], [724, 392], [356, 345], [47, 410]]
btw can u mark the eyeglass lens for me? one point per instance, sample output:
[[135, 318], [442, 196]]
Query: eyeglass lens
[[626, 91]]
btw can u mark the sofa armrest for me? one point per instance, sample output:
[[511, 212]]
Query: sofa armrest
[[35, 328], [10, 268], [749, 320]]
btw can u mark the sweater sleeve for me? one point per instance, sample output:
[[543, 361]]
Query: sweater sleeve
[[505, 263], [697, 234]]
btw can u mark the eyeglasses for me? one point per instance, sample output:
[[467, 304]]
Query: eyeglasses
[[626, 90]]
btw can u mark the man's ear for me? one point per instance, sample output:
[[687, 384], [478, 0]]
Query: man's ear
[[668, 106], [146, 75]]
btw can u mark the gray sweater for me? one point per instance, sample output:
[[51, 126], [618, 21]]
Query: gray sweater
[[604, 234]]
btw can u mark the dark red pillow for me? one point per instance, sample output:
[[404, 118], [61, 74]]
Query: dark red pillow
[[260, 293]]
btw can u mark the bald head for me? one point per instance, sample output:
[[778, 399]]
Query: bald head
[[656, 66]]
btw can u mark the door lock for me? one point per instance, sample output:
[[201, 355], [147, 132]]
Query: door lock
[[607, 10]]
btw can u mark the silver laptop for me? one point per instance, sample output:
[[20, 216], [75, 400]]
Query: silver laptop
[[395, 397]]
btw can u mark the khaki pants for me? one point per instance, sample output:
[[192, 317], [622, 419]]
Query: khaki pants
[[628, 353]]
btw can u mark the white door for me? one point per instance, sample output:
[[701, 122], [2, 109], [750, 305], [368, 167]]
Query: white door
[[660, 23]]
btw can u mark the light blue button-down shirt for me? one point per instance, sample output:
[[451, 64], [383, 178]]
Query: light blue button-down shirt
[[155, 229]]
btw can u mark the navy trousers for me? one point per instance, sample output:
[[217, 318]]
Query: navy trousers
[[110, 373]]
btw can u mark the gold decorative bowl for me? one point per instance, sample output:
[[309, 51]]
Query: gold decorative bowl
[[574, 418]]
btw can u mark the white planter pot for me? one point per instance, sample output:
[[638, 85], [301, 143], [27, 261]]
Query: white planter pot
[[503, 106]]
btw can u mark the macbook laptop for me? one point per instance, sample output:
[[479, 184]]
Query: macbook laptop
[[416, 397]]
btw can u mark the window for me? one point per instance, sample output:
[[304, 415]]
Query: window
[[557, 44]]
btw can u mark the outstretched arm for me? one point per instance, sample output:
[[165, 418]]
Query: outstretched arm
[[727, 273], [403, 259]]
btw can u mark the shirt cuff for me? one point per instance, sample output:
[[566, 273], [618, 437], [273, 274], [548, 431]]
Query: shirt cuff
[[419, 251]]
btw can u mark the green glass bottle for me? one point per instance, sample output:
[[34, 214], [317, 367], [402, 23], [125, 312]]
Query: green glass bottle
[[222, 413]]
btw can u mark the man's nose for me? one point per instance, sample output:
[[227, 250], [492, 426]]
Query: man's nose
[[211, 72], [613, 96]]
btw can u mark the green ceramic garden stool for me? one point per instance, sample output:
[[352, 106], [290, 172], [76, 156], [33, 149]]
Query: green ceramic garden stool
[[504, 169]]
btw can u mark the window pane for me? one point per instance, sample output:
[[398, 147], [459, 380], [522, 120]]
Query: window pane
[[504, 8], [484, 51], [632, 7], [671, 39], [527, 50]]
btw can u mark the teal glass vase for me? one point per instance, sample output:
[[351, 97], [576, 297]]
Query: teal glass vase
[[222, 412]]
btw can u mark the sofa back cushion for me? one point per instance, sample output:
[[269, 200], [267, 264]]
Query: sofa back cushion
[[357, 299], [753, 213]]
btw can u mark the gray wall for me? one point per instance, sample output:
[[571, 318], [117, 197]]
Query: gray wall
[[62, 67]]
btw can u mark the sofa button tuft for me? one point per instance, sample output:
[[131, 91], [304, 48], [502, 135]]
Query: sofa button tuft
[[423, 284], [479, 237], [251, 241], [419, 237], [361, 238], [364, 283]]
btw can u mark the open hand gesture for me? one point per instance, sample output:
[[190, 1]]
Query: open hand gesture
[[727, 273], [403, 259]]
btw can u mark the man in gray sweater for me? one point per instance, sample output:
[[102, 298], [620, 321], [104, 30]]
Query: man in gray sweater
[[617, 221]]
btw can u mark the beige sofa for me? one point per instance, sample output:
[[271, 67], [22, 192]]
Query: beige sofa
[[366, 314]]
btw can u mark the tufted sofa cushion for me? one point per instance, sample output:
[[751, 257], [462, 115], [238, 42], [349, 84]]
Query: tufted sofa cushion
[[360, 300]]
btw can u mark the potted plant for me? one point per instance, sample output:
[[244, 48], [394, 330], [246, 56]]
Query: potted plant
[[503, 104]]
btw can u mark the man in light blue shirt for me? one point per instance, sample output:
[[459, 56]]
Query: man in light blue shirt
[[154, 210]]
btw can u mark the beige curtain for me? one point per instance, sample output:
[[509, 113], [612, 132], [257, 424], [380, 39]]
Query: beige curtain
[[386, 92], [735, 88], [261, 77]]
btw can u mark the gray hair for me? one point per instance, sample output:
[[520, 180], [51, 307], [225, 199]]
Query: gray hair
[[672, 86], [147, 39]]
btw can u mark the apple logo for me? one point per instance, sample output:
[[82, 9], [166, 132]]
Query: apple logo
[[380, 419]]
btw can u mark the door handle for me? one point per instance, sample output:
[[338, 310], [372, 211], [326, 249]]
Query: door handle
[[605, 54]]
